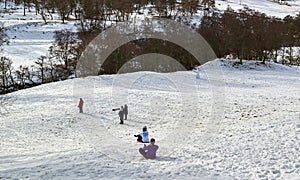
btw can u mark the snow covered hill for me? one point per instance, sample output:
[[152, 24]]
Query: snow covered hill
[[29, 37], [268, 7], [255, 137]]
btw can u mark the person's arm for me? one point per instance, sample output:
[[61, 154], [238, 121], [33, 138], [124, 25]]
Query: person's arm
[[145, 147]]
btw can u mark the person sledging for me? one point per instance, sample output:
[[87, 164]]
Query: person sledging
[[149, 152], [144, 136]]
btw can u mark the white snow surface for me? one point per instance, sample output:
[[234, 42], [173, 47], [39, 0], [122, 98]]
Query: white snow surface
[[256, 135], [29, 36], [265, 6]]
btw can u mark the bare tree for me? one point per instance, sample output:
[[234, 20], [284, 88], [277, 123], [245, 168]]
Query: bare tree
[[3, 36], [64, 8], [43, 8], [291, 34], [64, 50], [5, 3], [5, 73], [190, 6], [41, 65]]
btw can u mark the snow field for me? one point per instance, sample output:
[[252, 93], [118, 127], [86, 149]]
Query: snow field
[[43, 136]]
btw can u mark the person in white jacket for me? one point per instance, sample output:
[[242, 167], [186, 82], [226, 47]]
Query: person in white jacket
[[144, 136]]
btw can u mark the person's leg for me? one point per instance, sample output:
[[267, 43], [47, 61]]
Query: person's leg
[[121, 121], [142, 152], [125, 116], [139, 138], [80, 110]]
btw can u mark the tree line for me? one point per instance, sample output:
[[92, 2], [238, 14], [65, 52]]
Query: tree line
[[251, 35], [99, 12]]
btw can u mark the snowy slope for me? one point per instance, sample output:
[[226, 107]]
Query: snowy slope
[[29, 36], [265, 6], [44, 137]]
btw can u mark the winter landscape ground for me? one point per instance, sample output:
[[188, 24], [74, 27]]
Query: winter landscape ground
[[244, 124], [43, 136]]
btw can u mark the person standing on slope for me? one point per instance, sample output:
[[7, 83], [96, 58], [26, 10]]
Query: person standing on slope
[[144, 136], [125, 111], [121, 115], [198, 73], [149, 152], [80, 105]]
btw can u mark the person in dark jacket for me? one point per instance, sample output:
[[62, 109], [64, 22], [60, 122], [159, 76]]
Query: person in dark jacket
[[121, 115], [125, 111]]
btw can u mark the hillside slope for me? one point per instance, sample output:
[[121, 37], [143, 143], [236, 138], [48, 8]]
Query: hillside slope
[[255, 136], [269, 7]]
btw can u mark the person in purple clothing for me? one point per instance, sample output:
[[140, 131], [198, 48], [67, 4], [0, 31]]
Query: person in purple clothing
[[149, 152]]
